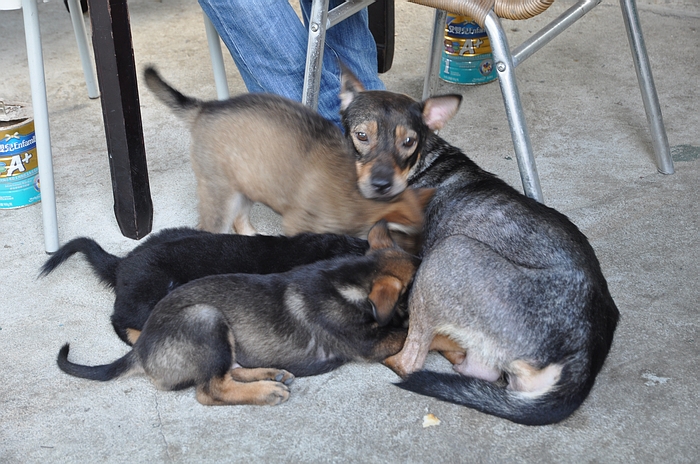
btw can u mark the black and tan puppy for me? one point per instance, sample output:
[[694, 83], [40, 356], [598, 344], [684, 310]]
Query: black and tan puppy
[[508, 280], [173, 257], [265, 148], [240, 338]]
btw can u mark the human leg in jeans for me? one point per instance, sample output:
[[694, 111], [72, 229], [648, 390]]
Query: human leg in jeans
[[268, 44]]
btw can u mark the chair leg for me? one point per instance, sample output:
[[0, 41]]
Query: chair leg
[[37, 78], [76, 16], [435, 54], [514, 110], [318, 20], [664, 162], [217, 59]]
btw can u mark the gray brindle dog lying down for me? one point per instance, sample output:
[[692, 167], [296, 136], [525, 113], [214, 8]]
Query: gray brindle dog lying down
[[508, 280]]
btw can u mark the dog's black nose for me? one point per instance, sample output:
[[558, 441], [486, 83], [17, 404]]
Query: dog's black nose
[[381, 185]]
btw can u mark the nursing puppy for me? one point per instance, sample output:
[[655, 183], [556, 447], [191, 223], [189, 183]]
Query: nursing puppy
[[173, 257], [266, 148], [241, 338], [509, 280]]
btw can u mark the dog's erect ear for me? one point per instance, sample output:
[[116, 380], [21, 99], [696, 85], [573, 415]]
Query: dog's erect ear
[[350, 86], [385, 293], [379, 237], [438, 110]]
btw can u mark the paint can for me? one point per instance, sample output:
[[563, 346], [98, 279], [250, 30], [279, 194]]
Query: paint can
[[466, 56], [19, 166]]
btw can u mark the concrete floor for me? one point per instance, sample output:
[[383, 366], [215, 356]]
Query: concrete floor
[[595, 160]]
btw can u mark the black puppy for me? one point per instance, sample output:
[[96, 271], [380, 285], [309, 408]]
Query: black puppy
[[173, 257], [237, 337]]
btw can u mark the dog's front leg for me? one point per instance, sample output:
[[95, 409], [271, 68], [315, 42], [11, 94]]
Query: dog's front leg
[[226, 390]]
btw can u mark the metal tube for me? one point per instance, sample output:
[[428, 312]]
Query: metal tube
[[664, 162], [217, 59], [76, 17], [551, 30], [345, 10], [435, 53], [314, 53], [35, 58], [514, 110]]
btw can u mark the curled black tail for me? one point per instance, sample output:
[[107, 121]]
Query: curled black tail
[[104, 264], [168, 95], [549, 408], [103, 373]]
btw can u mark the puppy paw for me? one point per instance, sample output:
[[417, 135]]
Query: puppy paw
[[242, 374], [272, 393], [285, 377], [225, 390]]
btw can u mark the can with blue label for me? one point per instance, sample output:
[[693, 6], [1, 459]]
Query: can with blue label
[[19, 167], [466, 56]]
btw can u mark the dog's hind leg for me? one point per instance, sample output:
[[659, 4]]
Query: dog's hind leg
[[219, 211], [240, 209], [224, 390], [242, 374], [449, 348], [413, 354]]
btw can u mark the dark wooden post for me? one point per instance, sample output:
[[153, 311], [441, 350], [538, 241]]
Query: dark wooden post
[[116, 75]]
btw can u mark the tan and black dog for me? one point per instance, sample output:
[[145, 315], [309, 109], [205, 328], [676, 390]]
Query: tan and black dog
[[307, 321], [387, 133], [510, 281], [265, 148]]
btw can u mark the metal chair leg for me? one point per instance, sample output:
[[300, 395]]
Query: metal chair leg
[[76, 17], [318, 21], [435, 54], [514, 110], [664, 162], [217, 59], [40, 108]]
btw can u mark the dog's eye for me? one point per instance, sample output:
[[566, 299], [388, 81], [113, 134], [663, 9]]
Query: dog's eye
[[361, 136], [409, 142]]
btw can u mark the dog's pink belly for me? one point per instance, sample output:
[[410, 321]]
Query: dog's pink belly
[[471, 368]]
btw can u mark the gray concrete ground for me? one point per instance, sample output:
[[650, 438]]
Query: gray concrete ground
[[595, 159]]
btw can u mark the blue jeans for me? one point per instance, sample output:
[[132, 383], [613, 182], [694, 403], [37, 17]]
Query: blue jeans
[[268, 44]]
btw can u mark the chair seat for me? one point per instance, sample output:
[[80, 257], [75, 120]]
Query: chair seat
[[487, 14], [478, 9]]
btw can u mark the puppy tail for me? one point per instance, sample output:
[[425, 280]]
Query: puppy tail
[[103, 264], [105, 372], [522, 408], [183, 105]]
